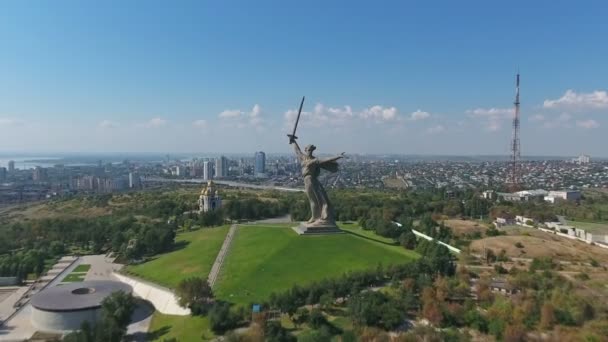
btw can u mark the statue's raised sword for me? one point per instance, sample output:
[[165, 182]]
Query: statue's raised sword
[[292, 136]]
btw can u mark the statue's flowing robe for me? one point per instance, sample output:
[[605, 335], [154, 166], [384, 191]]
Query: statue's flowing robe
[[320, 207]]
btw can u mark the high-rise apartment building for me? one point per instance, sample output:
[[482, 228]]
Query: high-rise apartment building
[[11, 166], [39, 174], [134, 180], [207, 171], [259, 166], [221, 167]]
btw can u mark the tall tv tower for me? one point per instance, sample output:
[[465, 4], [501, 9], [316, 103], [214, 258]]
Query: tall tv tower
[[514, 177]]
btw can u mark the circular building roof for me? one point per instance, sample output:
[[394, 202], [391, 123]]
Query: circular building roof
[[77, 296]]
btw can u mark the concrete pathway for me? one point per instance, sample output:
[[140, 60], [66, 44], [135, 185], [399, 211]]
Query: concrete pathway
[[18, 326], [219, 260]]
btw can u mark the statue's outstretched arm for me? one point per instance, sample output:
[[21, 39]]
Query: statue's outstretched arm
[[297, 150], [332, 159]]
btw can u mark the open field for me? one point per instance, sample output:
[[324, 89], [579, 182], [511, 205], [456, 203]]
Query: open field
[[537, 243], [194, 258], [392, 182], [263, 260], [183, 328], [461, 227]]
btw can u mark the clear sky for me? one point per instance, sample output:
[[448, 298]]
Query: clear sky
[[411, 77]]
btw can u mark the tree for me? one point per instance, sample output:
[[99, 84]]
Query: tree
[[408, 240], [514, 333], [221, 318], [326, 300], [547, 316], [274, 332], [194, 293], [300, 317], [316, 319], [375, 309], [431, 306], [116, 311]]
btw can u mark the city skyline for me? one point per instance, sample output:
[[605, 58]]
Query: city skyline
[[226, 78]]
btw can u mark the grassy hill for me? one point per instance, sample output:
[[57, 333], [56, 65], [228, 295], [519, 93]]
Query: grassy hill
[[183, 328], [265, 259], [194, 258]]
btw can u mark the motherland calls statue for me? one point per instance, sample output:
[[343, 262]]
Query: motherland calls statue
[[322, 218]]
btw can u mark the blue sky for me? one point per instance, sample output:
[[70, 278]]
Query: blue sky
[[423, 77]]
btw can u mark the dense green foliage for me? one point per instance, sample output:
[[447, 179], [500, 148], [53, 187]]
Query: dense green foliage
[[222, 318], [194, 293], [354, 205], [140, 225], [116, 311], [253, 209], [375, 309]]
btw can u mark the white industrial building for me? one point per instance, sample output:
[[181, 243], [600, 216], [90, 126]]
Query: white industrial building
[[564, 195], [522, 196]]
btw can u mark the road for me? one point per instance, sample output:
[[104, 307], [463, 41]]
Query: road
[[223, 182]]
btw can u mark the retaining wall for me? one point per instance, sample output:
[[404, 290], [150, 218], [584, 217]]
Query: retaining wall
[[162, 298]]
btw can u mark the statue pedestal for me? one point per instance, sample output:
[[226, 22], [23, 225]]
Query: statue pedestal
[[317, 229]]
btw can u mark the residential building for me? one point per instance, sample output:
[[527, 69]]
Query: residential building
[[207, 171], [584, 159], [39, 174], [134, 180], [221, 167], [259, 166]]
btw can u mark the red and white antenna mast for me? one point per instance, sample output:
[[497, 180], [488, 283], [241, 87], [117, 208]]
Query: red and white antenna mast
[[514, 177]]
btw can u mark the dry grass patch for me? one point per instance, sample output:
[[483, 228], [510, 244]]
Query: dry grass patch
[[537, 243], [461, 227]]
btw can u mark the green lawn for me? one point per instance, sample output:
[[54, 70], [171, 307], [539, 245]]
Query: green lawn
[[82, 268], [183, 328], [267, 259], [590, 227], [195, 259], [355, 229], [73, 277]]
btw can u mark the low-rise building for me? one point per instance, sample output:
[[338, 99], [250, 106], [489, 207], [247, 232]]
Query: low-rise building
[[564, 195], [504, 220], [523, 220], [503, 287]]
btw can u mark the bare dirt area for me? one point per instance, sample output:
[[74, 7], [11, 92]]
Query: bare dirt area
[[396, 183], [461, 227], [536, 243]]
